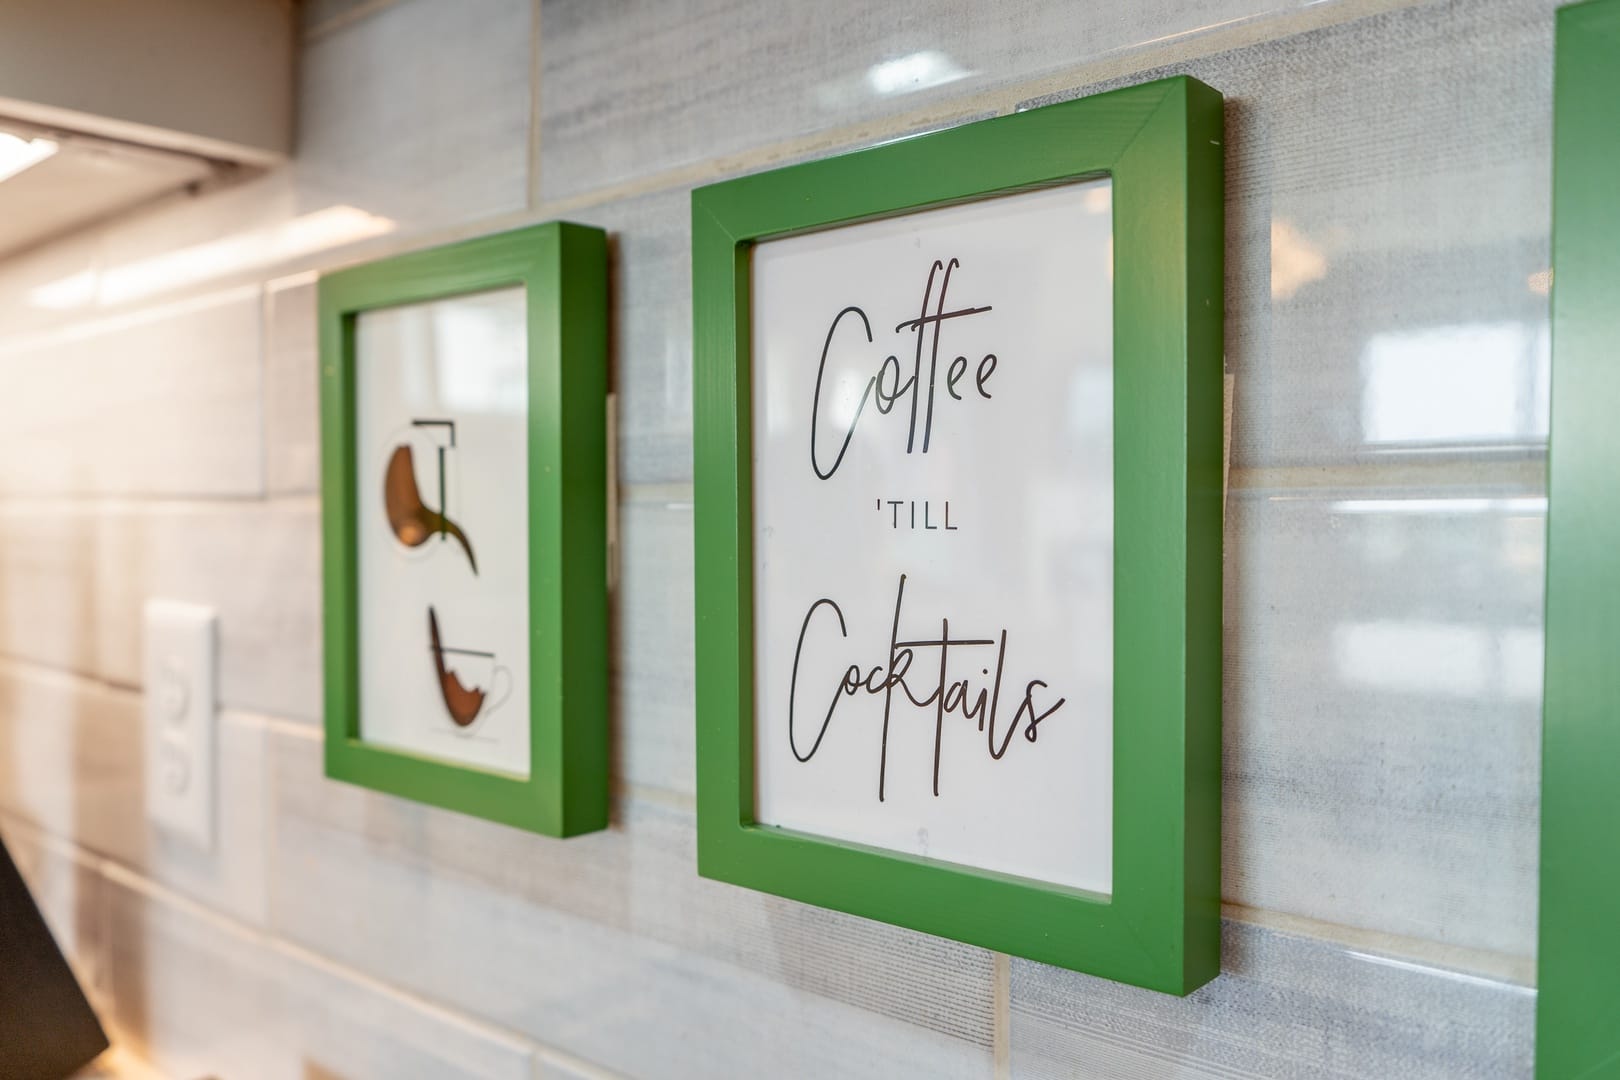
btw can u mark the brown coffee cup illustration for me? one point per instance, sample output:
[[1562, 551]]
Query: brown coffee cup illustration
[[462, 702]]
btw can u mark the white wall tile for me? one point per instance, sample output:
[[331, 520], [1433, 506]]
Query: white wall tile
[[164, 402], [48, 598], [192, 243], [1383, 692], [292, 375], [1388, 204], [198, 996], [74, 577], [419, 113], [258, 564], [579, 943], [1283, 1007], [40, 288], [71, 764], [633, 88]]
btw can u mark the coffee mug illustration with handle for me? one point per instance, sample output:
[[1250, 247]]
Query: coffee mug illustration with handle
[[465, 703]]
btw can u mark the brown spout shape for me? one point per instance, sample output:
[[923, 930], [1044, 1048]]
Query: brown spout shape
[[462, 703], [408, 516]]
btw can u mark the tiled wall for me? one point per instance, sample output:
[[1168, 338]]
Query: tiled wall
[[1388, 222]]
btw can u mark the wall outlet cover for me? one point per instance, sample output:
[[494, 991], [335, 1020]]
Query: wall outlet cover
[[177, 674]]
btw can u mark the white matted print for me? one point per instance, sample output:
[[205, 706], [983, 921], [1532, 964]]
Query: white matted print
[[441, 453], [933, 534]]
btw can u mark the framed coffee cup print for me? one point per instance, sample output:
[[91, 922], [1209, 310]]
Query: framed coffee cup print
[[958, 451], [464, 501]]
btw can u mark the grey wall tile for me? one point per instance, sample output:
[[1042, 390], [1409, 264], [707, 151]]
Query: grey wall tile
[[1283, 1007], [1388, 205], [651, 258], [1382, 713], [71, 754], [633, 87], [419, 113], [580, 943], [653, 681]]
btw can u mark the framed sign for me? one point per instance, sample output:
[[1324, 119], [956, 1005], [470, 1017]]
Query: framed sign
[[1578, 957], [464, 494], [958, 421]]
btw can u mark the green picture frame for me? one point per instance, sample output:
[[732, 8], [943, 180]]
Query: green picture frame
[[1160, 143], [1578, 983], [563, 270]]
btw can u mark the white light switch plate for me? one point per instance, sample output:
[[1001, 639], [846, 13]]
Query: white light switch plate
[[178, 676]]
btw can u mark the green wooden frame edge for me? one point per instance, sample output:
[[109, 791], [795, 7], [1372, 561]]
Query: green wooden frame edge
[[1578, 996], [563, 268], [1162, 144]]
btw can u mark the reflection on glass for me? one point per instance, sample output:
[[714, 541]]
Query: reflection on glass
[[1479, 382], [1295, 261], [1445, 659]]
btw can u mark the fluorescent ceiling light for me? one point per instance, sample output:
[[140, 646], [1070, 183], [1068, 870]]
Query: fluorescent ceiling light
[[17, 153]]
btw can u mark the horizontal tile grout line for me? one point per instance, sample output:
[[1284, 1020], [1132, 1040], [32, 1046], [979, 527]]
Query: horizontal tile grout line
[[1371, 473], [308, 729], [646, 794], [1486, 964], [650, 794], [1508, 971], [655, 493], [1401, 471], [78, 681], [104, 503], [44, 670], [1196, 43], [1391, 472], [99, 323], [130, 878]]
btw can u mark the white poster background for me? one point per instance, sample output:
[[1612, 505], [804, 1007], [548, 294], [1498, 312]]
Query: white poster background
[[463, 359], [1028, 475]]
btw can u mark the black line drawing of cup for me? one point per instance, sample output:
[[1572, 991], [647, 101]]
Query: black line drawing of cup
[[465, 703]]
